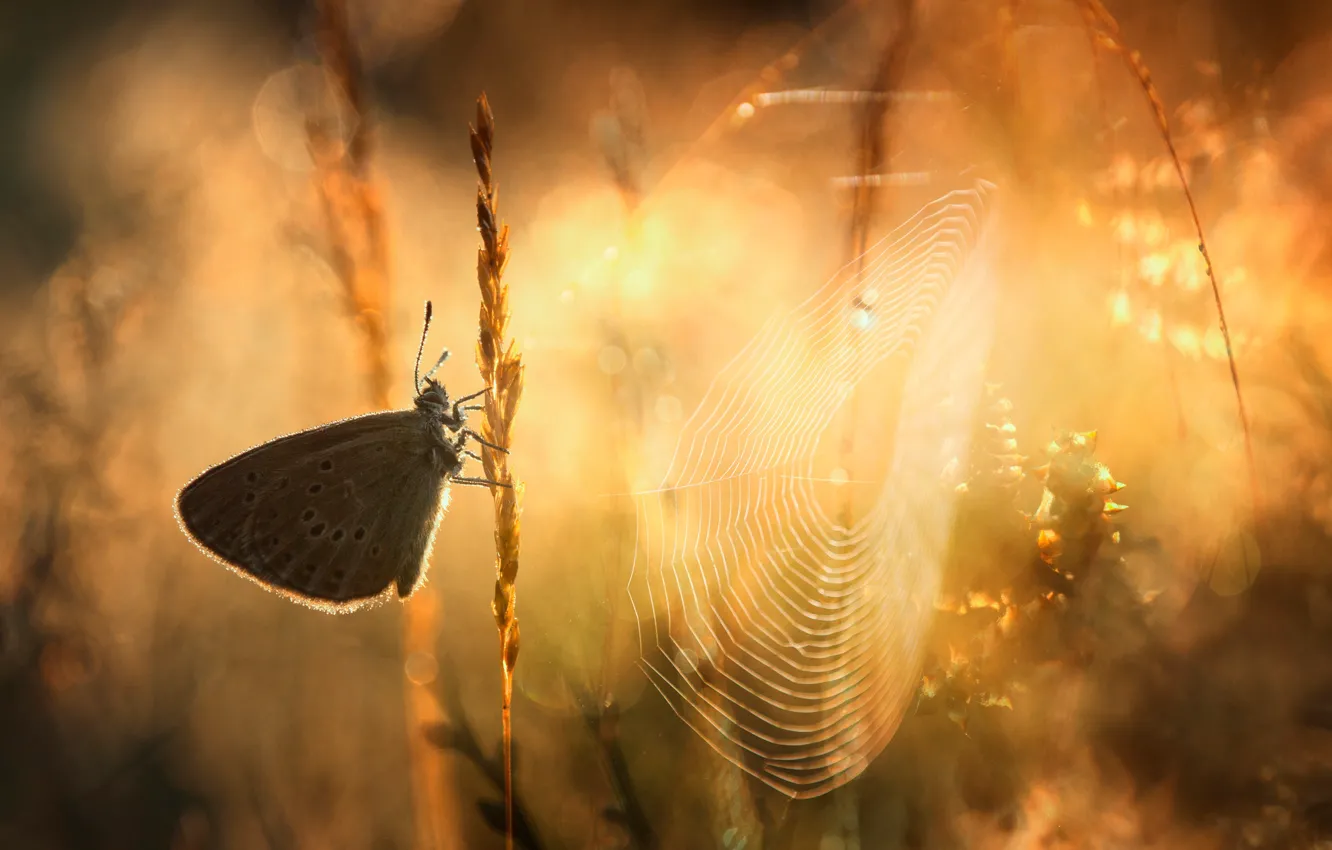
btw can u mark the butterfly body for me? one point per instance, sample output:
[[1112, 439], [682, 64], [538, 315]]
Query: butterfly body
[[340, 515]]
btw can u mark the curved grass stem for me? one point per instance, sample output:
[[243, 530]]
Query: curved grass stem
[[1109, 36]]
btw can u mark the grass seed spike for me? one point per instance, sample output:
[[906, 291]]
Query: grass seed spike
[[501, 367]]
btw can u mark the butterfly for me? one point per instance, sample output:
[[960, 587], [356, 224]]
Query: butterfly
[[341, 515]]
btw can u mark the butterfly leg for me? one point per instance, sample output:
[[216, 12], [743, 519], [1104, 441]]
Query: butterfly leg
[[468, 432], [480, 482], [460, 445], [459, 409], [476, 394]]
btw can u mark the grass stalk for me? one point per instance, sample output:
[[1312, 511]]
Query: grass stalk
[[501, 367], [353, 205], [359, 253], [1109, 36], [871, 157]]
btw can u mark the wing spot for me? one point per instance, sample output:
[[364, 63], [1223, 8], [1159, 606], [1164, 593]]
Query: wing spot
[[326, 466], [252, 477], [314, 488], [287, 557], [374, 551], [249, 498], [380, 449], [338, 534], [308, 515], [273, 541], [360, 534], [309, 570], [317, 530]]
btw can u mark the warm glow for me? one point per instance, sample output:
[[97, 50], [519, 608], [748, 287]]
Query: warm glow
[[819, 409]]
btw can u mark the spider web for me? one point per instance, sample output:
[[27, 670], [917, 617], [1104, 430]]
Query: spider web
[[789, 640]]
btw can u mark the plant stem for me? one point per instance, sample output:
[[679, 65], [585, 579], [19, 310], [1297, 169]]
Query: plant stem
[[359, 252], [1110, 37], [501, 367]]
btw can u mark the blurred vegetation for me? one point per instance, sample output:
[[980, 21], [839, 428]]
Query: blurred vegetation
[[166, 298]]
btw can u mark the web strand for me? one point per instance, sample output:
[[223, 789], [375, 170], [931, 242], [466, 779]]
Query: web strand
[[789, 642]]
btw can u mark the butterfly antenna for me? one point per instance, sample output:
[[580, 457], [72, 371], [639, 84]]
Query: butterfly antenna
[[438, 363], [420, 349]]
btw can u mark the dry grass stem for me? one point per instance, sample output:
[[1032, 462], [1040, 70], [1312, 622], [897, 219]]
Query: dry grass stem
[[359, 253], [501, 368], [1110, 138], [872, 156], [1108, 35], [872, 152], [353, 206]]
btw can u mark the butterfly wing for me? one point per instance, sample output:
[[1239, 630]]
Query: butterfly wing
[[335, 515]]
